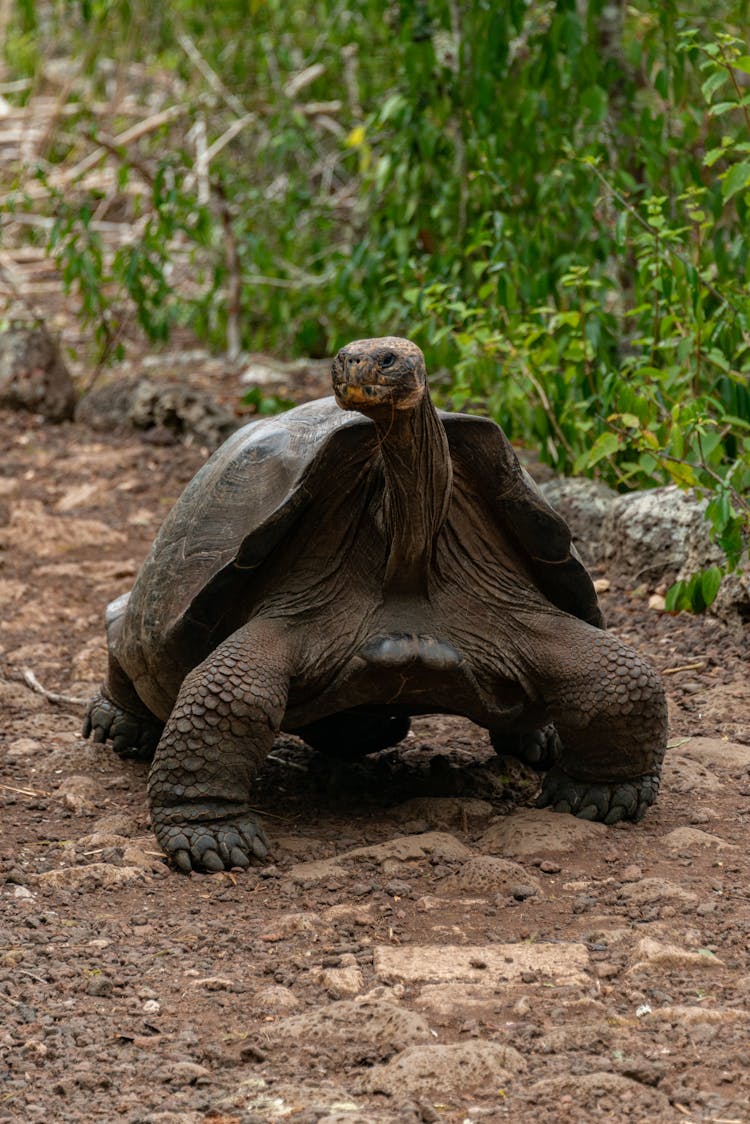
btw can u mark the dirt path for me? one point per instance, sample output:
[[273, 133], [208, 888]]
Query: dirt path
[[424, 946]]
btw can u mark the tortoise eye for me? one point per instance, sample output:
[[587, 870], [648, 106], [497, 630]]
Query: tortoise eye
[[388, 360]]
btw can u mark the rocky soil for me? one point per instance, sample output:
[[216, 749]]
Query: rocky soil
[[423, 946]]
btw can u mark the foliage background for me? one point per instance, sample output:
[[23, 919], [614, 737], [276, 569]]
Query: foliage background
[[551, 197]]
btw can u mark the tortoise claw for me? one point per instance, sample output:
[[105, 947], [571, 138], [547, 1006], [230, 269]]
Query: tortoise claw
[[133, 736], [606, 802], [211, 846], [538, 748]]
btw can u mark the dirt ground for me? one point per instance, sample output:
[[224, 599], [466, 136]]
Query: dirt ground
[[423, 945]]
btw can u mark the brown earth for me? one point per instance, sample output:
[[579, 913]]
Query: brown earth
[[424, 946]]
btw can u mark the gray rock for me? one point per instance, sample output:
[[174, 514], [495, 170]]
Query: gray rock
[[584, 504], [602, 1094], [164, 411], [649, 534], [377, 1023], [453, 1069], [659, 534], [487, 875], [33, 375]]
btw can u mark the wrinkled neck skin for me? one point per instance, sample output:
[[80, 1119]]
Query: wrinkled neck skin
[[418, 478]]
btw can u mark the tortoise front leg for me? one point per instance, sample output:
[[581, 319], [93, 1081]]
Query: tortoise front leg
[[220, 731], [117, 714], [609, 709]]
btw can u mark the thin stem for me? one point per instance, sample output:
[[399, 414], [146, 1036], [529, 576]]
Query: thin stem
[[737, 88]]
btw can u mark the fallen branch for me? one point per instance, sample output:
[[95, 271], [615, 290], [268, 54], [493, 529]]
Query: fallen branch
[[52, 696], [22, 791]]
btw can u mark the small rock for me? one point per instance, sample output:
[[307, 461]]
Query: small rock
[[275, 999], [33, 374], [79, 794], [523, 891], [95, 874], [349, 913], [601, 1095], [23, 747], [631, 873], [151, 1007], [688, 838], [446, 1070], [657, 602], [398, 889], [489, 875], [341, 983], [655, 956], [214, 983], [531, 832], [380, 1024]]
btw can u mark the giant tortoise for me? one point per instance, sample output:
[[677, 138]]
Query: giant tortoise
[[336, 569]]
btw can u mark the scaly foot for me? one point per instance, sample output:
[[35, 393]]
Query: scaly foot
[[209, 846], [608, 802]]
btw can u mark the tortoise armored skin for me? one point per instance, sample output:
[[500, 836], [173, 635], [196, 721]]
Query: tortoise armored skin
[[331, 572]]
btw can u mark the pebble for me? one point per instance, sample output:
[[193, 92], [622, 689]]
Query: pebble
[[23, 747]]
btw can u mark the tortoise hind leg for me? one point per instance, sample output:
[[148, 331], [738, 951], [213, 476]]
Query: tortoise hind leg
[[117, 714], [350, 735], [609, 709], [222, 727]]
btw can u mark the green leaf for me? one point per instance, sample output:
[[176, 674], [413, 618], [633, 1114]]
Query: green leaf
[[712, 84], [676, 598], [682, 474], [736, 179], [605, 445], [713, 155], [710, 582], [742, 63]]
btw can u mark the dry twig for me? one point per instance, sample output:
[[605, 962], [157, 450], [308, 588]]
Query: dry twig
[[22, 791], [51, 696], [685, 667]]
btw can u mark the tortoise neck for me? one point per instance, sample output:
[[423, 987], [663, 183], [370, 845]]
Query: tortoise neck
[[418, 480]]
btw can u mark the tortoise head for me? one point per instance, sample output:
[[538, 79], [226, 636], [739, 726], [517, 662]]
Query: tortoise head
[[379, 375]]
